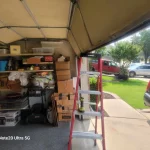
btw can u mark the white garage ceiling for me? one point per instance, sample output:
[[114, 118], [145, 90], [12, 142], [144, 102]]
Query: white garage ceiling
[[86, 24]]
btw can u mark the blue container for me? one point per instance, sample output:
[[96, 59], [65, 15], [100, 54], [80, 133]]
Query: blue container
[[3, 64]]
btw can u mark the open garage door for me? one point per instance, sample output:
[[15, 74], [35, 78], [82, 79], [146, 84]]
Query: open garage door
[[86, 24]]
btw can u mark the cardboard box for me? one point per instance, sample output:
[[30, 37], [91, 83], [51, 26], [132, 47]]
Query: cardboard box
[[15, 49], [63, 75], [34, 60], [64, 116], [3, 82], [64, 109], [65, 86], [63, 65]]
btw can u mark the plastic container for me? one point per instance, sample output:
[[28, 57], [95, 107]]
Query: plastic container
[[43, 50], [3, 51], [3, 65]]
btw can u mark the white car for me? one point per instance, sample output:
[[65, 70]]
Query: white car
[[134, 65], [142, 70]]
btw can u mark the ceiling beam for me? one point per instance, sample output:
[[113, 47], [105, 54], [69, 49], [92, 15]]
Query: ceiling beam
[[10, 29], [32, 27], [32, 16]]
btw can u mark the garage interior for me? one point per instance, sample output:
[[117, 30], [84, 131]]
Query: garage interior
[[57, 30]]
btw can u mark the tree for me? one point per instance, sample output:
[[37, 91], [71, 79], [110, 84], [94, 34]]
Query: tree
[[101, 51], [143, 41], [124, 53]]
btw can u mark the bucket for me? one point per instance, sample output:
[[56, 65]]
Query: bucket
[[3, 65]]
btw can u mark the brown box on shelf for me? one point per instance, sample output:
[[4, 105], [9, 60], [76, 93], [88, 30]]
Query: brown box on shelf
[[64, 116], [34, 60], [15, 49], [14, 85], [3, 82], [65, 86], [63, 75], [63, 65]]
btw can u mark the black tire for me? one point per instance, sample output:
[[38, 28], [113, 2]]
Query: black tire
[[132, 74]]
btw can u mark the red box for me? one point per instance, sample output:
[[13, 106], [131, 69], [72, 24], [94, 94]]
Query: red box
[[48, 58]]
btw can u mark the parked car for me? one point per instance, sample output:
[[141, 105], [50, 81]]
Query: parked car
[[134, 65], [147, 95], [143, 70], [109, 66]]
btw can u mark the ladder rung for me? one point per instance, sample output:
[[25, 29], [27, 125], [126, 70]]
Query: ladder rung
[[89, 92], [86, 135], [90, 72], [88, 113], [88, 103]]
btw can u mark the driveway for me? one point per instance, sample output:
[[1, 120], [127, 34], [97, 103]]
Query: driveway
[[142, 78], [125, 128]]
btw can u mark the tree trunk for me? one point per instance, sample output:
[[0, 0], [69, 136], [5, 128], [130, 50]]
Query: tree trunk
[[146, 60]]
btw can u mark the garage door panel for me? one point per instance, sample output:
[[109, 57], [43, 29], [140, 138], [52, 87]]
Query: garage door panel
[[12, 12], [60, 33], [29, 32], [105, 18], [8, 36], [1, 25], [50, 12], [79, 32], [73, 43]]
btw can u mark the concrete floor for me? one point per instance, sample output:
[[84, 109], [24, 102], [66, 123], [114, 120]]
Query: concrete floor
[[125, 128]]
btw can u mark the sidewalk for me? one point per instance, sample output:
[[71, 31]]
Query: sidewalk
[[125, 129]]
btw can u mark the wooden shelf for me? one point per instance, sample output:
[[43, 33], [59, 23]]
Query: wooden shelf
[[28, 71], [15, 108], [2, 90], [26, 54], [25, 63]]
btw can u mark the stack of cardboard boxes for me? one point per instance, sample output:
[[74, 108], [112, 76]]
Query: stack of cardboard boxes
[[65, 96]]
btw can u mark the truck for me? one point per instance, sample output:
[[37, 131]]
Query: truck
[[109, 66]]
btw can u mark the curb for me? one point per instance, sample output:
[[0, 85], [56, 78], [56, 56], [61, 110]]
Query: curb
[[114, 95]]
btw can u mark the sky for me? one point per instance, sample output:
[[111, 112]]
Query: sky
[[128, 38]]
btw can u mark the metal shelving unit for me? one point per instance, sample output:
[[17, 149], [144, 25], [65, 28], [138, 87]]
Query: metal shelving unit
[[26, 54], [27, 71]]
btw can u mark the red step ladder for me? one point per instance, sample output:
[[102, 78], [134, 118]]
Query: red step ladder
[[96, 114]]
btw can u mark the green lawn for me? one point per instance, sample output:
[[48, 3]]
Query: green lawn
[[131, 91]]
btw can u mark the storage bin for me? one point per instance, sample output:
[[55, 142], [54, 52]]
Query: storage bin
[[43, 50], [3, 51], [3, 64]]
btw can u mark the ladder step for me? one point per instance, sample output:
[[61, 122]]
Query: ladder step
[[89, 92], [88, 103], [88, 113], [90, 73], [86, 135]]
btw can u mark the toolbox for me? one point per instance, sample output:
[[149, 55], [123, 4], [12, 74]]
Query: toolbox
[[9, 118]]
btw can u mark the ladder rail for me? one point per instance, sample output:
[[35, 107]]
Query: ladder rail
[[75, 102], [99, 97], [102, 106]]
